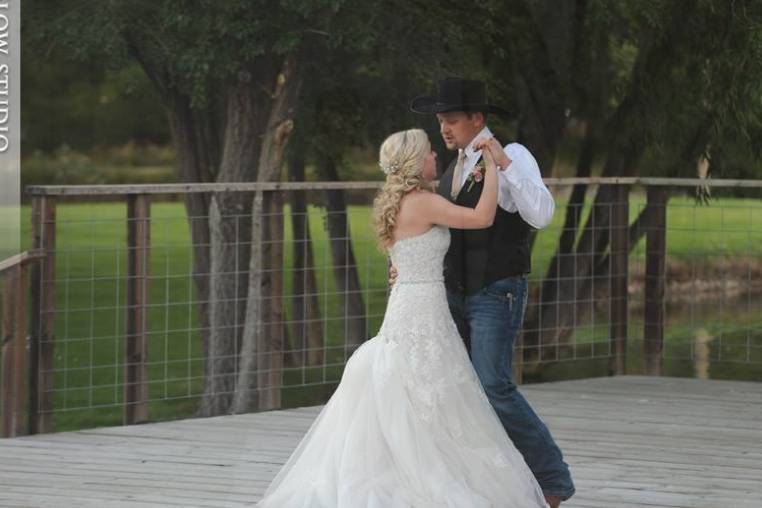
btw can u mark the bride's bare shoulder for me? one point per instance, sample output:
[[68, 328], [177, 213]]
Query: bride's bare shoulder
[[413, 205], [423, 200], [418, 198]]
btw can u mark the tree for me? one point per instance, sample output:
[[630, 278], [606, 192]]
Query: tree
[[81, 106], [653, 85], [229, 77]]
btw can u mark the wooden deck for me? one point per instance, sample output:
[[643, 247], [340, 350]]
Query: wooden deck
[[630, 441]]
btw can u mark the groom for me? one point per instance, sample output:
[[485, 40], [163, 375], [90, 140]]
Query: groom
[[486, 270]]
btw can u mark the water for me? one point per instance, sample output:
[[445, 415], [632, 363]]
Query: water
[[708, 339]]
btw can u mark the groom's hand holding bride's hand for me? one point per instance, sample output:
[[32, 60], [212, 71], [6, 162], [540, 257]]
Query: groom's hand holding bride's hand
[[492, 152]]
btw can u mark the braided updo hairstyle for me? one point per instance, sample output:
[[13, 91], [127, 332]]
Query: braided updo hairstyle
[[401, 157]]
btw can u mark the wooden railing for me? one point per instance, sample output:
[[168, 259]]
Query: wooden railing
[[28, 330]]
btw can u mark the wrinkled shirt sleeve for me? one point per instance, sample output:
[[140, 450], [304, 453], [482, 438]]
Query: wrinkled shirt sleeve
[[522, 181]]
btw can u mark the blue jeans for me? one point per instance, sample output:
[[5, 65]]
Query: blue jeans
[[489, 322]]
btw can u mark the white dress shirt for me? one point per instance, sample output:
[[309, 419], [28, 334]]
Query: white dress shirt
[[520, 186]]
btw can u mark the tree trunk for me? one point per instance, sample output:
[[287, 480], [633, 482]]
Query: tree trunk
[[270, 345], [590, 248], [647, 220], [596, 288], [229, 219], [218, 248], [256, 346], [559, 299], [578, 280], [196, 138], [230, 234], [307, 344], [562, 265], [197, 149], [257, 123], [626, 142], [344, 264]]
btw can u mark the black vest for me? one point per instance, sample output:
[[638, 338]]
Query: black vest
[[478, 257]]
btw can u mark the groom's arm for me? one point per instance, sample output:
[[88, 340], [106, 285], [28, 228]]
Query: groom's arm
[[523, 182]]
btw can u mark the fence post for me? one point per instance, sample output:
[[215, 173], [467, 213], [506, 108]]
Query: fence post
[[14, 357], [656, 251], [42, 316], [277, 316], [136, 341], [619, 232]]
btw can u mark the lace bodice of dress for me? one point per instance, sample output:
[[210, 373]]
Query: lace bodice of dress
[[418, 325], [420, 258]]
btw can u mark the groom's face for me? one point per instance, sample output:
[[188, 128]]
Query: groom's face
[[459, 128]]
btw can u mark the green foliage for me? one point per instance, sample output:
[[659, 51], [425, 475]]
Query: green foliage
[[81, 105], [200, 43], [669, 77], [129, 163], [358, 93], [687, 73]]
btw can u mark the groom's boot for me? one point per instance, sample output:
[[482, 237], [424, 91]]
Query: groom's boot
[[553, 501]]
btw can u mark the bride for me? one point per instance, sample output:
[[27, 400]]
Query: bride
[[409, 426]]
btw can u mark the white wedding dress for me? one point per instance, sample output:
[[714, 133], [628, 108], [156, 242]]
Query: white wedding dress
[[409, 426]]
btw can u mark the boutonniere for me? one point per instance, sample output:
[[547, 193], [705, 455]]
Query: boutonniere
[[477, 175]]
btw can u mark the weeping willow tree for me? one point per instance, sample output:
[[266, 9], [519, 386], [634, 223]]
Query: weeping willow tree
[[651, 87]]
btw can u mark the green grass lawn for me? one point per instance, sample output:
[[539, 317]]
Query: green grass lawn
[[90, 299], [725, 228]]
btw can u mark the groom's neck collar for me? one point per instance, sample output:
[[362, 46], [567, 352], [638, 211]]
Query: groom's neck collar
[[484, 133]]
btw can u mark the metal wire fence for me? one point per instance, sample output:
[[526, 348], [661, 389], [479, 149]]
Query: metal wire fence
[[161, 302]]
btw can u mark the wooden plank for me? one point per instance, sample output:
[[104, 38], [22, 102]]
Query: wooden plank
[[54, 500], [629, 444], [185, 188], [619, 269], [21, 259], [42, 316], [656, 253], [136, 341], [67, 495]]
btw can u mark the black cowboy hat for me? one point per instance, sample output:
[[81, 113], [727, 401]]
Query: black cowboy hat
[[457, 94]]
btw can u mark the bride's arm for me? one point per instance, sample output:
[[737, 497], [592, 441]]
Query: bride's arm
[[438, 210]]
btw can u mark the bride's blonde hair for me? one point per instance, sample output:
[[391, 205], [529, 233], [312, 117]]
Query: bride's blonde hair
[[401, 157]]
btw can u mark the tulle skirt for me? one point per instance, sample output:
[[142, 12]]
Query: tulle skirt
[[406, 429]]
